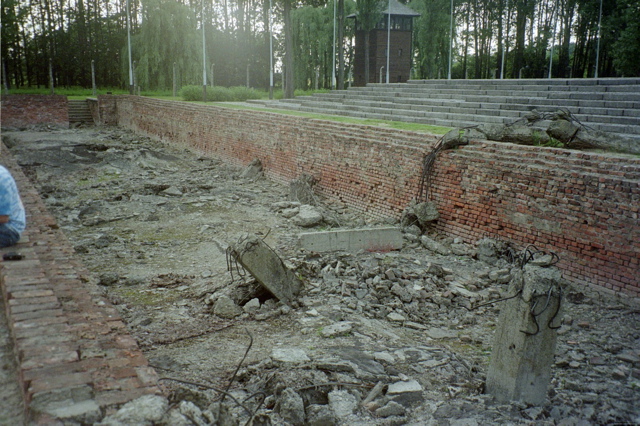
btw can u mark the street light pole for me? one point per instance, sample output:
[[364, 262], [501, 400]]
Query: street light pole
[[333, 63], [504, 47], [129, 48], [204, 60], [598, 44], [388, 37], [270, 52], [450, 40]]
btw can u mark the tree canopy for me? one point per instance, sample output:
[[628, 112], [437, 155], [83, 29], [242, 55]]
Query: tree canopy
[[64, 37]]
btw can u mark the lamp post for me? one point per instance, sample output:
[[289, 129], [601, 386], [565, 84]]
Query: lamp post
[[129, 48], [333, 63], [598, 44], [506, 42], [270, 52], [204, 60], [450, 41], [388, 37]]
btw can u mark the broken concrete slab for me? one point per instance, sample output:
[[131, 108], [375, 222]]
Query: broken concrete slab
[[267, 268], [352, 240]]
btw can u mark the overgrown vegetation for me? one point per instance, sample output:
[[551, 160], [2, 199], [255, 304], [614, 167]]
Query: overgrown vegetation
[[220, 94]]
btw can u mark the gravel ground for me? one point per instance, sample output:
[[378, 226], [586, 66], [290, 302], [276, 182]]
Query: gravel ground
[[153, 224]]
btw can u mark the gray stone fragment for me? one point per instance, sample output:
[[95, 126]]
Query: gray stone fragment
[[145, 410], [342, 403], [289, 213], [301, 189], [320, 415], [338, 329], [192, 412], [173, 191], [252, 305], [392, 408], [426, 212], [253, 170], [291, 407], [395, 317], [434, 246], [440, 333], [405, 393], [289, 355], [500, 276], [401, 292], [308, 216], [225, 307], [84, 412]]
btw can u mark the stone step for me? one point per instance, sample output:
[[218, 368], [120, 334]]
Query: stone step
[[389, 111], [619, 108], [79, 112]]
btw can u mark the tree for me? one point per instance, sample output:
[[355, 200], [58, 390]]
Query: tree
[[431, 36], [626, 48]]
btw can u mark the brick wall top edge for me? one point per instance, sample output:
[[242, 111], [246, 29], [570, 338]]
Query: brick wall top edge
[[34, 96], [567, 154], [281, 116]]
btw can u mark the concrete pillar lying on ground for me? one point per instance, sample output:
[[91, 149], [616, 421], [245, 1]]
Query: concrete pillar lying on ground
[[524, 346], [257, 258], [372, 239]]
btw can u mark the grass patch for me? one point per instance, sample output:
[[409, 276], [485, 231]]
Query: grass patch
[[399, 125]]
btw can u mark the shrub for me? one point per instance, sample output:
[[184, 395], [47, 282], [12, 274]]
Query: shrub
[[191, 93], [242, 93]]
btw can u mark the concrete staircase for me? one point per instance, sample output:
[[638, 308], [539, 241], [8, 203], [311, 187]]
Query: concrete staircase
[[79, 112], [609, 105]]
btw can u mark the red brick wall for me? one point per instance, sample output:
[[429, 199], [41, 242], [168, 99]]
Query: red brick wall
[[19, 111], [583, 206]]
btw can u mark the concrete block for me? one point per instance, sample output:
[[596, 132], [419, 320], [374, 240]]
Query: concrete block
[[524, 346], [372, 239], [267, 268]]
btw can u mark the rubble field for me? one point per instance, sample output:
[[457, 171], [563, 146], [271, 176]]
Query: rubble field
[[387, 337]]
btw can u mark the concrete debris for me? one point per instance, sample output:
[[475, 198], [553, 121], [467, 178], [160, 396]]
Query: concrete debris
[[320, 415], [405, 393], [146, 410], [352, 240], [420, 214], [308, 216], [225, 307], [301, 190], [338, 329], [539, 129], [253, 170], [405, 334], [289, 355], [291, 407], [342, 403], [434, 246], [268, 269]]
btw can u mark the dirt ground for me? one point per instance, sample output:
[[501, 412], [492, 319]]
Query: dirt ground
[[153, 224]]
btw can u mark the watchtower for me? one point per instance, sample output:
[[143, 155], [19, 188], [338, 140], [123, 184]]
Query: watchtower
[[399, 38]]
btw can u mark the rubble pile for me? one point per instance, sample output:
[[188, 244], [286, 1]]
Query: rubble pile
[[371, 337]]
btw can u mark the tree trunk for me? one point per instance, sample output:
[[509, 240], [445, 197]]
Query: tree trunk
[[366, 57]]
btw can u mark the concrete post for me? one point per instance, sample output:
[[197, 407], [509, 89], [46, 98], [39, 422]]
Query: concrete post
[[524, 346], [267, 268], [94, 90]]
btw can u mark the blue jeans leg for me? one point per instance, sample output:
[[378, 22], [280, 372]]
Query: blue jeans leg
[[8, 237]]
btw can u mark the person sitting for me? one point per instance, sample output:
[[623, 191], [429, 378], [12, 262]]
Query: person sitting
[[12, 215]]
